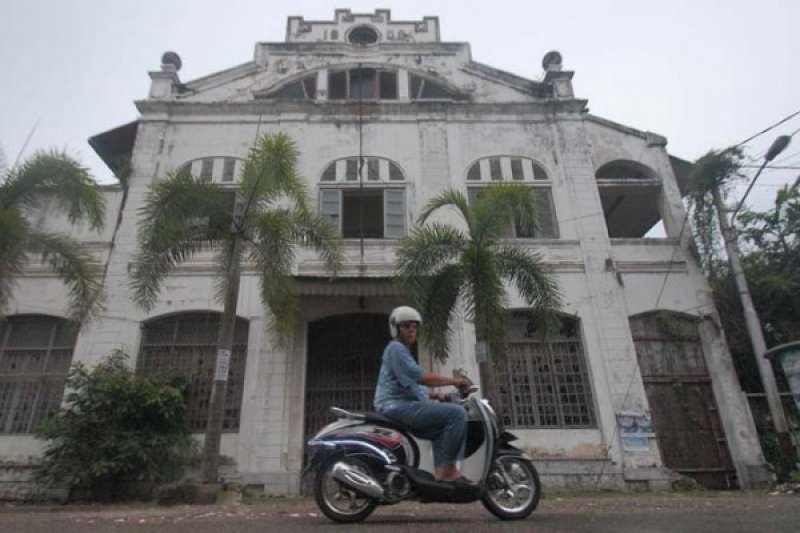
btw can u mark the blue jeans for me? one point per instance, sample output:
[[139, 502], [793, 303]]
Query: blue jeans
[[443, 423]]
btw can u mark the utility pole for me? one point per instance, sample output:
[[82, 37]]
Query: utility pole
[[751, 317]]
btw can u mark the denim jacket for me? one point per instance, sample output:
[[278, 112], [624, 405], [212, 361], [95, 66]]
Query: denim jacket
[[397, 379]]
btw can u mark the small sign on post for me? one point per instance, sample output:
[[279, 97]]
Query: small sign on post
[[481, 351], [223, 365]]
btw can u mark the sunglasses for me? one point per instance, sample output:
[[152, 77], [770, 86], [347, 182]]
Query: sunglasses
[[406, 325]]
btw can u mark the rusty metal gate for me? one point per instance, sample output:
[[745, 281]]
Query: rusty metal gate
[[344, 356], [681, 399]]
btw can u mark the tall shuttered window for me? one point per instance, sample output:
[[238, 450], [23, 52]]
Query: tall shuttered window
[[517, 169], [371, 205]]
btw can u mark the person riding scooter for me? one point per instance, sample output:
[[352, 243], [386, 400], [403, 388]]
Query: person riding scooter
[[401, 395]]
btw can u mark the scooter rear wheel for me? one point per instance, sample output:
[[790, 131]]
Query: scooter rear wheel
[[337, 501], [513, 488]]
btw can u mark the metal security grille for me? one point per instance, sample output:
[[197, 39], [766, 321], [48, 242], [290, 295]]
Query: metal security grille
[[186, 344], [35, 356], [545, 385], [344, 357], [678, 386]]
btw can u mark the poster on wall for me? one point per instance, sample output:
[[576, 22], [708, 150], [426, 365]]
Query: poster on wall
[[636, 430]]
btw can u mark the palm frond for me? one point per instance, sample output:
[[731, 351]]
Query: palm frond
[[13, 240], [485, 296], [449, 197], [270, 172], [535, 283], [437, 301], [158, 257], [54, 176], [182, 200], [73, 265], [272, 251], [313, 231], [427, 250], [180, 217], [527, 271], [502, 204]]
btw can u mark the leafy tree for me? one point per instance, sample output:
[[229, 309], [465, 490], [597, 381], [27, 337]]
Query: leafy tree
[[440, 265], [58, 182], [772, 263], [114, 430], [771, 257], [268, 217], [716, 169]]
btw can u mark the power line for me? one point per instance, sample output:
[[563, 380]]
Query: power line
[[762, 132], [772, 167]]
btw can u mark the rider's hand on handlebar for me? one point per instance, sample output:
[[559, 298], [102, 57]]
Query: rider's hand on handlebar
[[462, 384]]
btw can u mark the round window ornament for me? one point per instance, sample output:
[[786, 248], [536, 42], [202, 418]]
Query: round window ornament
[[362, 36]]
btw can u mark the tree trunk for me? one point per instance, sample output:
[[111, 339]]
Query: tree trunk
[[216, 408], [489, 384]]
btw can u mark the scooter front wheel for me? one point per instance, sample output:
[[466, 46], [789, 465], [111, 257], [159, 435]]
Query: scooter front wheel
[[338, 501], [513, 488]]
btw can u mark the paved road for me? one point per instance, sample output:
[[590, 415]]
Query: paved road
[[641, 513]]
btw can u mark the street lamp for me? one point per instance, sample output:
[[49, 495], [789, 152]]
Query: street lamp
[[778, 146]]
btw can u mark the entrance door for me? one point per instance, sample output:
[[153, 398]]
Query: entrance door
[[344, 356], [678, 387]]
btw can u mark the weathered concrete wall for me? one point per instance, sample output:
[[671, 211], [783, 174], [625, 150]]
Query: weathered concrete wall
[[604, 281]]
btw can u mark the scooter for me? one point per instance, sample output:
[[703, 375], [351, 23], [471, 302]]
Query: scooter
[[364, 459]]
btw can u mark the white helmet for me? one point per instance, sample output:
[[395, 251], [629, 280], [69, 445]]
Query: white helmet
[[403, 314]]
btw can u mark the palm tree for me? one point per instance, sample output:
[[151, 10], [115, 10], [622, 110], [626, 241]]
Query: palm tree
[[57, 182], [440, 265], [261, 223]]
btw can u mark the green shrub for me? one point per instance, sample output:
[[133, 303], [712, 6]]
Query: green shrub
[[116, 433]]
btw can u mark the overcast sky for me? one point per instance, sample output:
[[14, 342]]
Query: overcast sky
[[704, 73]]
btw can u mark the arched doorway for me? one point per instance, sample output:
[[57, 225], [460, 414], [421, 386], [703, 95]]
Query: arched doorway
[[344, 356], [678, 386]]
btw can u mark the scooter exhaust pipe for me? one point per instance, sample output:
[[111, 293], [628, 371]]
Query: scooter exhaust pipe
[[357, 480]]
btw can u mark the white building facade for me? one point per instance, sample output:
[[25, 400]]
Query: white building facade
[[637, 387]]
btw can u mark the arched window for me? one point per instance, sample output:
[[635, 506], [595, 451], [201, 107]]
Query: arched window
[[363, 83], [223, 170], [186, 344], [629, 195], [364, 198], [421, 88], [35, 356], [304, 89], [545, 383], [517, 169]]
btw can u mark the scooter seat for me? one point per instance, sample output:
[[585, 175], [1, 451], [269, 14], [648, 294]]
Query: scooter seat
[[374, 418], [377, 418]]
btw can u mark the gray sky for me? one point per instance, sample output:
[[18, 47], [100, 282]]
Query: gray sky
[[704, 73]]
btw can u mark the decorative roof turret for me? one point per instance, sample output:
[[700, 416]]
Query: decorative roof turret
[[362, 29], [165, 82]]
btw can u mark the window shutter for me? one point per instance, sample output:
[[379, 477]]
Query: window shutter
[[548, 229], [395, 210], [329, 206]]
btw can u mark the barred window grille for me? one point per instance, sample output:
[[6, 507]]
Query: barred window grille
[[35, 356], [186, 344], [545, 384]]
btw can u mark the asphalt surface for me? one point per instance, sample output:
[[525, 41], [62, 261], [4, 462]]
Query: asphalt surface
[[706, 512]]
